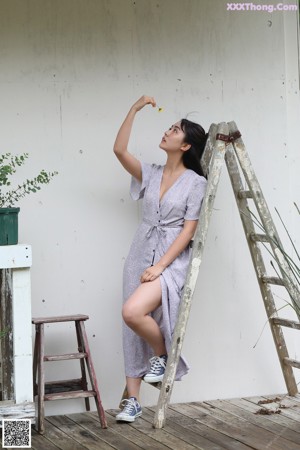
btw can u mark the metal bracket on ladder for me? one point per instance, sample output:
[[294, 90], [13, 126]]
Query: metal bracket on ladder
[[228, 138], [225, 142]]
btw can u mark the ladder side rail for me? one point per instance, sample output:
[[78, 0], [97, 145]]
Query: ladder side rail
[[260, 270], [209, 147], [266, 219], [216, 165]]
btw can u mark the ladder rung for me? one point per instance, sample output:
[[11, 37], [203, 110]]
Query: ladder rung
[[244, 194], [63, 382], [65, 357], [157, 385], [255, 237], [272, 280], [66, 395], [54, 387], [61, 386], [286, 323], [292, 362]]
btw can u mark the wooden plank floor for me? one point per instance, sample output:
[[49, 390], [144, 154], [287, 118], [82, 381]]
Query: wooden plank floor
[[238, 424]]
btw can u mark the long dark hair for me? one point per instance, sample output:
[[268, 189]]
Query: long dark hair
[[196, 137]]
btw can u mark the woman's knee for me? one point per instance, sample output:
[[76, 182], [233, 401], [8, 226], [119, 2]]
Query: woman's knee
[[130, 314]]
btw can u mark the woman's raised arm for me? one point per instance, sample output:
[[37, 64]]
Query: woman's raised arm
[[128, 161]]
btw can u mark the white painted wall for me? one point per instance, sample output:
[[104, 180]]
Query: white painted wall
[[70, 69]]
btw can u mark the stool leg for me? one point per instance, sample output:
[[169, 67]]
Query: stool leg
[[41, 379], [82, 366], [92, 374]]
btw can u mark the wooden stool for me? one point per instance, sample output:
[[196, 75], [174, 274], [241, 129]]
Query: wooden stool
[[60, 390]]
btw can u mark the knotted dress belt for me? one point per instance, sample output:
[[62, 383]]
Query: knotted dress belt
[[161, 228]]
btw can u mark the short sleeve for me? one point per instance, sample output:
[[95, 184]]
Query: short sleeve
[[137, 188], [195, 198]]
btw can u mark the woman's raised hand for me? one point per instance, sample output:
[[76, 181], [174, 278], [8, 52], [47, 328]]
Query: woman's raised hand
[[129, 162], [143, 101]]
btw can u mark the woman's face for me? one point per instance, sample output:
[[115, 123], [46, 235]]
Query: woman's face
[[173, 138]]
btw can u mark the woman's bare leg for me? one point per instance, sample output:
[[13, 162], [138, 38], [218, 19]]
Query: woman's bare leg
[[145, 299], [133, 387]]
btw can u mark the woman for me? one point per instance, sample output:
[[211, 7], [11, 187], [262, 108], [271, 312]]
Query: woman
[[156, 266]]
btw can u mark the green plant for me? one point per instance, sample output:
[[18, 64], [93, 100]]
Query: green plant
[[3, 334], [292, 263], [8, 166]]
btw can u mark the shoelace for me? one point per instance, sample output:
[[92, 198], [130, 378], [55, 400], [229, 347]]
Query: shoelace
[[156, 364], [129, 406]]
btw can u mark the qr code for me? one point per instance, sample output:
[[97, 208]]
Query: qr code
[[16, 433]]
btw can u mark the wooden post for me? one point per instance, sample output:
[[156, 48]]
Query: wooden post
[[7, 364], [16, 400]]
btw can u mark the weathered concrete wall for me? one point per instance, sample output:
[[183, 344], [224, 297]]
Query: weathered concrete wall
[[70, 69]]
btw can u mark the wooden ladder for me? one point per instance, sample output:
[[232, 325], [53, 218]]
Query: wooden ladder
[[225, 144]]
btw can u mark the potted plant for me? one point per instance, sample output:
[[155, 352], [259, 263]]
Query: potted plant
[[9, 197]]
